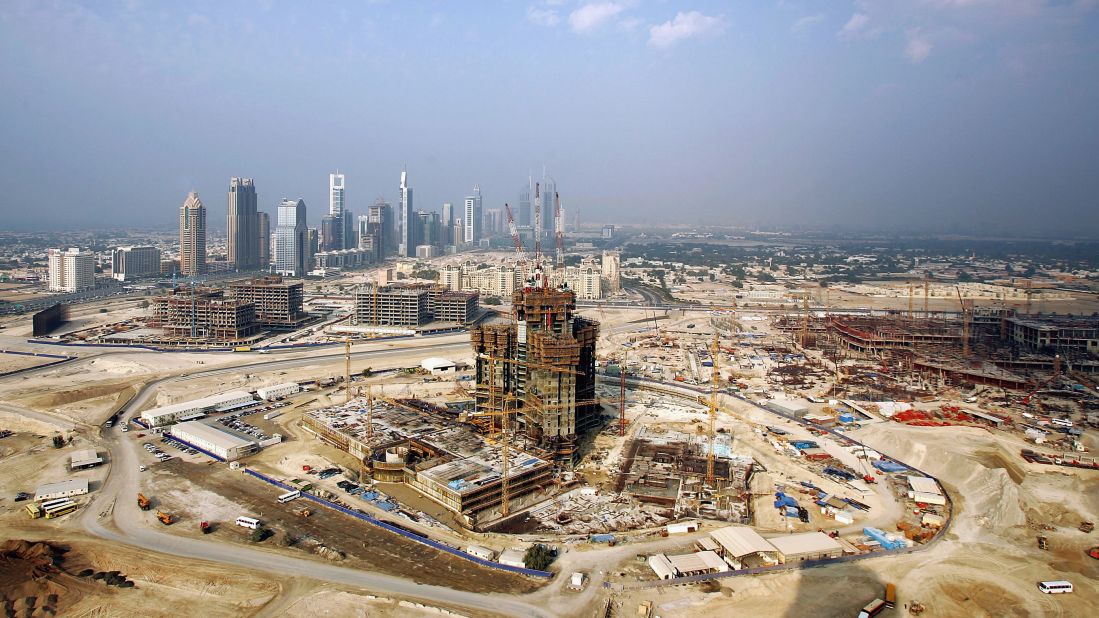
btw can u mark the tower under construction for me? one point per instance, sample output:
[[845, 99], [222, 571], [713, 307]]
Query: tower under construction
[[541, 366]]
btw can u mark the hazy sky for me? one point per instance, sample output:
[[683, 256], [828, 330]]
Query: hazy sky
[[974, 115]]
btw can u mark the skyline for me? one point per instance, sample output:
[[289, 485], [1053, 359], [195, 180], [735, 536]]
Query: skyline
[[939, 116]]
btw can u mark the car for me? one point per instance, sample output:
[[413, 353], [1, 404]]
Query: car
[[125, 428], [21, 496], [141, 468]]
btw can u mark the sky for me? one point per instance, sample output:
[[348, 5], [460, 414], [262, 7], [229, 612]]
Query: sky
[[964, 116]]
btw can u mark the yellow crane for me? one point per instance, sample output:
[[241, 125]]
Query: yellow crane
[[714, 351]]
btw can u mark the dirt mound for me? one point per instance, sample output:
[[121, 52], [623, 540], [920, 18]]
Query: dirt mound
[[28, 573]]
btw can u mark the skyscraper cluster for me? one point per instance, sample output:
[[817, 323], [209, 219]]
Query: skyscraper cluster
[[292, 248]]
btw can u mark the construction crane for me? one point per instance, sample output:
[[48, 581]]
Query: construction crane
[[803, 337], [537, 223], [926, 294], [514, 232], [910, 299], [558, 227], [347, 369], [622, 395], [965, 321], [714, 351]]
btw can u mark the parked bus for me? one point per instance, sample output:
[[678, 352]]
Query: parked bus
[[248, 522], [890, 596], [290, 495], [34, 511], [1055, 587], [48, 503], [61, 509]]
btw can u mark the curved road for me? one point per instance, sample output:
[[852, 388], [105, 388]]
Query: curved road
[[113, 515]]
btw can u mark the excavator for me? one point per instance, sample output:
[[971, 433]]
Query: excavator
[[164, 518], [142, 502]]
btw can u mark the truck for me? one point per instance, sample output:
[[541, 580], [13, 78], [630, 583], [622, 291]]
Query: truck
[[890, 596], [873, 608], [142, 502], [242, 348], [164, 518]]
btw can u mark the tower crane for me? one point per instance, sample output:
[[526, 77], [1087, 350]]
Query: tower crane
[[966, 317], [714, 351], [537, 223], [514, 233]]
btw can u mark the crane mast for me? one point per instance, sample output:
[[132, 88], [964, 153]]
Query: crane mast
[[537, 223]]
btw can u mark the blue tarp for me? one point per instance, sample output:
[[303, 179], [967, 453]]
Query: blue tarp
[[602, 538]]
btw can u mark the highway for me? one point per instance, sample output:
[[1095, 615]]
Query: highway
[[113, 515]]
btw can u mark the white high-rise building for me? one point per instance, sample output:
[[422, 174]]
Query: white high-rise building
[[471, 217], [405, 221], [72, 270], [129, 263], [335, 194], [291, 239], [612, 275]]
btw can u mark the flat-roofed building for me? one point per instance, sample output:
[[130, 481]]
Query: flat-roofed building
[[224, 444], [806, 546], [392, 305], [84, 458], [204, 314], [924, 485], [456, 307], [278, 303], [742, 545], [63, 489], [188, 410], [697, 563], [129, 263]]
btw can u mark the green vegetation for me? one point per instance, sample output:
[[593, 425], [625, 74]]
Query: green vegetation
[[538, 557]]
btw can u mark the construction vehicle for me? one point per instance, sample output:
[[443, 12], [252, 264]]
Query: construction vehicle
[[164, 518], [1086, 526], [205, 527], [303, 512], [142, 502], [1094, 552], [1043, 542]]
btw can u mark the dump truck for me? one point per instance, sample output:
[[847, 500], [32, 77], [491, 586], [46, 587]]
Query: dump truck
[[304, 512], [142, 502], [164, 518]]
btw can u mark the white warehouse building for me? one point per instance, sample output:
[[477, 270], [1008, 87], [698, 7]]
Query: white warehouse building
[[64, 489], [188, 410], [278, 391], [213, 440]]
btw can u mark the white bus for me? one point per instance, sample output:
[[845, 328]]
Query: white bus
[[1055, 587], [290, 495], [57, 510], [1059, 422], [248, 522], [49, 503]]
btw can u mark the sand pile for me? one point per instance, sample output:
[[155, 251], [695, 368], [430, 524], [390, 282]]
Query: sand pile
[[964, 462], [27, 578]]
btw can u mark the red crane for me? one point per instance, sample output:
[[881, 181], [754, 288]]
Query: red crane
[[514, 232]]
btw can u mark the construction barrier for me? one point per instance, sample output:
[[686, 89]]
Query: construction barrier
[[405, 533]]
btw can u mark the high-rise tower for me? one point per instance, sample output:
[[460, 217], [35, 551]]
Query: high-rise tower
[[291, 239], [405, 218], [524, 202], [243, 225], [471, 217], [192, 237]]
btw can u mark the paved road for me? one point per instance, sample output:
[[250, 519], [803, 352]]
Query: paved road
[[113, 515]]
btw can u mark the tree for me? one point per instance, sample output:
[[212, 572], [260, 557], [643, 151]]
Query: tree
[[538, 557], [58, 441], [259, 534], [491, 300], [368, 371]]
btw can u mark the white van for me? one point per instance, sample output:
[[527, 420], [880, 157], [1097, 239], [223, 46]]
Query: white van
[[248, 522], [1055, 587]]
